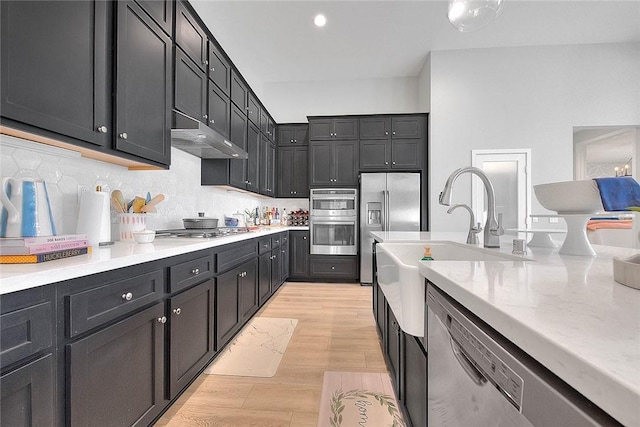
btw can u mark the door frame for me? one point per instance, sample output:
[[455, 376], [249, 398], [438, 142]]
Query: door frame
[[513, 154]]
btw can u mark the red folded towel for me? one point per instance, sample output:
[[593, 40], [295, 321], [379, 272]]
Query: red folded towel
[[618, 224]]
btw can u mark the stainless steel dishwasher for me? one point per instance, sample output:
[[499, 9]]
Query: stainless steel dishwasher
[[478, 378]]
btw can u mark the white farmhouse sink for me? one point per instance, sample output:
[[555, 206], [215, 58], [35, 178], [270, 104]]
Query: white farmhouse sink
[[401, 283], [570, 197]]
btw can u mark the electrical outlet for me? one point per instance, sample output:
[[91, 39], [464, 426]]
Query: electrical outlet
[[553, 220], [82, 189], [535, 219]]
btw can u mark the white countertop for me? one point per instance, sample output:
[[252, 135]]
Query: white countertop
[[567, 312], [16, 277]]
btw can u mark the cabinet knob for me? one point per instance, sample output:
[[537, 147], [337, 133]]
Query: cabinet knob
[[212, 69], [394, 132], [282, 251], [195, 271], [295, 192], [212, 121], [304, 238], [205, 62], [291, 140], [177, 311], [386, 133], [393, 163], [386, 163], [124, 135], [127, 297], [102, 129], [206, 116], [162, 319], [332, 267]]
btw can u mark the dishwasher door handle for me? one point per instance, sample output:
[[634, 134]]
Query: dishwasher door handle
[[475, 375]]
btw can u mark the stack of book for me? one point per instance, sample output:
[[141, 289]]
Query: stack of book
[[31, 250]]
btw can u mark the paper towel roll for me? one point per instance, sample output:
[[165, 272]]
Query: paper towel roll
[[94, 217]]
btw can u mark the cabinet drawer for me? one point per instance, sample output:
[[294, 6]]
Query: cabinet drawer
[[189, 273], [24, 332], [334, 267], [96, 306], [264, 245], [233, 255], [276, 241]]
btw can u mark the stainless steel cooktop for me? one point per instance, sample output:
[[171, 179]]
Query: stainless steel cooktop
[[202, 233]]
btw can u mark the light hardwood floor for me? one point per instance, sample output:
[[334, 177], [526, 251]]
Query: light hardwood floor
[[336, 332]]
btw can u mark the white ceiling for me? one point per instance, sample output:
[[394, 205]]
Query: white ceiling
[[276, 41]]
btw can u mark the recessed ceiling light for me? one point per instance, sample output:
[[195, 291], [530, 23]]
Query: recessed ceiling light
[[320, 20]]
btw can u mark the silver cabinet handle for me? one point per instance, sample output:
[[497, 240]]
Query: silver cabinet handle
[[213, 69], [291, 141], [333, 267], [177, 311], [212, 121], [102, 129], [206, 116], [386, 163], [195, 271], [304, 237], [205, 62], [386, 132], [394, 132], [162, 319], [393, 163], [295, 192], [283, 251], [127, 297], [124, 135]]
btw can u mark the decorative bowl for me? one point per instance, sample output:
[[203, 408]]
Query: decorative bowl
[[570, 197], [144, 236]]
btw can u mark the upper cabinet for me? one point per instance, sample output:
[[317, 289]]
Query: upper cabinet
[[253, 109], [190, 36], [161, 11], [238, 91], [106, 82], [219, 68], [293, 134], [325, 129], [190, 87]]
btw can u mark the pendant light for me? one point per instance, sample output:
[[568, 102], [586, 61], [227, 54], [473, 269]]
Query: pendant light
[[472, 15]]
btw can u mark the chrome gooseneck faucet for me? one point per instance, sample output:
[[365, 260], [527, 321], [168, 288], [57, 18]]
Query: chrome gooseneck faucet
[[472, 237], [493, 227]]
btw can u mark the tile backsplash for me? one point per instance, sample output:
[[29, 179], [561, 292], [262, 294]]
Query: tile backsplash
[[63, 172]]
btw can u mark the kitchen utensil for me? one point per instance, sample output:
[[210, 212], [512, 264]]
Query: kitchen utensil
[[150, 207], [94, 217], [119, 198], [148, 199], [200, 222], [137, 204], [144, 236], [130, 223], [27, 212], [116, 204]]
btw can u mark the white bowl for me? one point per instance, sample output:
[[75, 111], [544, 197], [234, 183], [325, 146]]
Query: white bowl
[[627, 271], [144, 236], [570, 197]]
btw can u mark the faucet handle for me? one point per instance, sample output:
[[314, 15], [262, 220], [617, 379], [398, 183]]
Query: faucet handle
[[477, 229], [499, 231]]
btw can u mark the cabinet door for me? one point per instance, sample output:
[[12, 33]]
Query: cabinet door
[[264, 277], [271, 130], [219, 110], [345, 128], [406, 153], [320, 129], [286, 171], [264, 122], [374, 128], [249, 289], [27, 395], [380, 304], [161, 11], [299, 254], [321, 163], [276, 269], [345, 163], [374, 154], [286, 135], [334, 267], [190, 87], [301, 172], [143, 86], [116, 376], [219, 68], [267, 168], [393, 351], [238, 127], [238, 92], [301, 135], [253, 112], [284, 258], [415, 380], [191, 334], [190, 36], [55, 70], [407, 127], [227, 314], [253, 162]]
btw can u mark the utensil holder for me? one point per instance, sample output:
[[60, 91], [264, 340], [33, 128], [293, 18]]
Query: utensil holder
[[130, 222]]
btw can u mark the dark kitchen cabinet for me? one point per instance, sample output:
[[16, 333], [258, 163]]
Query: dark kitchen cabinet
[[284, 257], [333, 163], [253, 109], [293, 172], [142, 85], [236, 299], [161, 11], [375, 127], [55, 68], [264, 277], [299, 255], [190, 88], [414, 396], [219, 68], [408, 127], [239, 125], [190, 36], [267, 167], [253, 162], [191, 334], [333, 267], [326, 129], [248, 289], [293, 134], [393, 341], [401, 154], [239, 92], [276, 269], [116, 375], [219, 110]]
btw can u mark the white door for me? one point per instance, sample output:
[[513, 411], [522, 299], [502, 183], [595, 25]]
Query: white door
[[509, 174]]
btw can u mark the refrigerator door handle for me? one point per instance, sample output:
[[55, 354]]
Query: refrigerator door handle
[[386, 210]]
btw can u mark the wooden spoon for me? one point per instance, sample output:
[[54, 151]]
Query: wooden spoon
[[151, 206], [118, 201]]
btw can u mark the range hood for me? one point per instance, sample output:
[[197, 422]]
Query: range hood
[[194, 137]]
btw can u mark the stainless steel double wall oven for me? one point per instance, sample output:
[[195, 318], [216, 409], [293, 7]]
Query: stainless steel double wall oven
[[333, 222]]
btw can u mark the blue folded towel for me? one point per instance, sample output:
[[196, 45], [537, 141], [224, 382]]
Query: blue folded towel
[[618, 193]]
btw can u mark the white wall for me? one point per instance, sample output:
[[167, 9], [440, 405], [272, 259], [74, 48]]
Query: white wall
[[526, 97], [292, 102], [424, 86]]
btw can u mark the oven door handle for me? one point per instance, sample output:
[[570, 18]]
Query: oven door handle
[[386, 210], [475, 375], [333, 222]]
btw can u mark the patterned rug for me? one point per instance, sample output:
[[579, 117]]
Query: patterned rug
[[353, 399], [257, 350]]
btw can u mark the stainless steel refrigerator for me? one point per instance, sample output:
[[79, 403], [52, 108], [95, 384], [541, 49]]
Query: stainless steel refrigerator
[[388, 202]]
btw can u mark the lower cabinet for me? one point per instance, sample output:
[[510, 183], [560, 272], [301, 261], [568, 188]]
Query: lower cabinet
[[116, 376], [393, 350], [248, 287], [333, 267], [284, 258], [299, 255], [191, 334], [264, 277]]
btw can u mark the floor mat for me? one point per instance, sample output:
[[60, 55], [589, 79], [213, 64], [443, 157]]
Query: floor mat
[[257, 350], [358, 399]]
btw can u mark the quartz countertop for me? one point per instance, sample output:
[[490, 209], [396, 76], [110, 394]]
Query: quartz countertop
[[567, 312], [16, 277]]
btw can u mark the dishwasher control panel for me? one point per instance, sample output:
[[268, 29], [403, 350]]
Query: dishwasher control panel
[[487, 363]]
